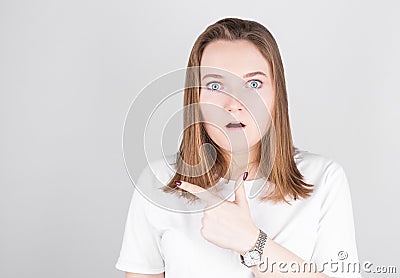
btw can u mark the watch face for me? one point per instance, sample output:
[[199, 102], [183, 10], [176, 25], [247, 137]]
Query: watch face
[[252, 257]]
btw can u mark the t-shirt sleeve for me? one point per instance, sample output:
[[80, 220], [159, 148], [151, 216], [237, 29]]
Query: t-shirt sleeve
[[336, 241], [140, 251]]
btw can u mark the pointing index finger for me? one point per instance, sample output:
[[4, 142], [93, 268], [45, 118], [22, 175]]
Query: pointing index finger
[[200, 192]]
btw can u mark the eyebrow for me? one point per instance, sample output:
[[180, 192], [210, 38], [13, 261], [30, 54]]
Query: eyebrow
[[250, 74]]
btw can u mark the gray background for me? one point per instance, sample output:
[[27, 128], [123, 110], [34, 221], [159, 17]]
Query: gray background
[[70, 69]]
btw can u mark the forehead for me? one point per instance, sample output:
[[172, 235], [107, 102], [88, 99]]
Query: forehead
[[238, 57]]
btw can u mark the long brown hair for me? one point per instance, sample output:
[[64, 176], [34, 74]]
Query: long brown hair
[[282, 172]]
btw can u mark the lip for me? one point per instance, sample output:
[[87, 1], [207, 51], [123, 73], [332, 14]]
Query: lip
[[236, 125]]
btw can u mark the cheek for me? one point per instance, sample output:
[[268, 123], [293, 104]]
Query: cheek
[[213, 131], [211, 107], [267, 98], [260, 115], [204, 95], [217, 135], [269, 102], [261, 107]]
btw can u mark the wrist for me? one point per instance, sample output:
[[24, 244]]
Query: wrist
[[250, 241], [253, 255]]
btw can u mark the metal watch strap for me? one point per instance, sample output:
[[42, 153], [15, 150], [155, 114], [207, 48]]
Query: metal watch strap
[[247, 257], [262, 238]]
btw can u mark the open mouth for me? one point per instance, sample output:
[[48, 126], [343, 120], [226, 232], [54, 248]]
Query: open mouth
[[235, 125]]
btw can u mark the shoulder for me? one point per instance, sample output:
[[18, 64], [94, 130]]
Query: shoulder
[[161, 169], [324, 172], [151, 181], [314, 162]]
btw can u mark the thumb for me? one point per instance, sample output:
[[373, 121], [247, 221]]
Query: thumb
[[240, 191]]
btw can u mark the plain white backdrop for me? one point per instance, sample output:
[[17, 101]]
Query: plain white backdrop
[[70, 69]]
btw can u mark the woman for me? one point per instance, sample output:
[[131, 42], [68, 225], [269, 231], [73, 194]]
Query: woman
[[237, 139]]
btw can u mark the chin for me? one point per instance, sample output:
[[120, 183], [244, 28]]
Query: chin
[[237, 149]]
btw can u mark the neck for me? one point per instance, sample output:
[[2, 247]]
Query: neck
[[241, 162]]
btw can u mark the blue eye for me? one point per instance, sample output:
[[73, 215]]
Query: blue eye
[[255, 84], [214, 86]]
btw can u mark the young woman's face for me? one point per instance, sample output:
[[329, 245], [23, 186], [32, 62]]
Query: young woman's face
[[236, 87]]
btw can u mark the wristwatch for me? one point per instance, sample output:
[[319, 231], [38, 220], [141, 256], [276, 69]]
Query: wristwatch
[[253, 256]]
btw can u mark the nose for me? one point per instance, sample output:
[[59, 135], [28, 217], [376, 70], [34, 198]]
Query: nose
[[233, 105]]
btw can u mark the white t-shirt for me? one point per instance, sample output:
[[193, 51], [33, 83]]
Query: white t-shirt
[[319, 228]]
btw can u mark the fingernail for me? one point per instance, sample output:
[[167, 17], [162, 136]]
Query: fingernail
[[245, 175], [177, 182]]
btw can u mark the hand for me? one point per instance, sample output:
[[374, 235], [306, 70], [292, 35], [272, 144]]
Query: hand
[[229, 224]]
